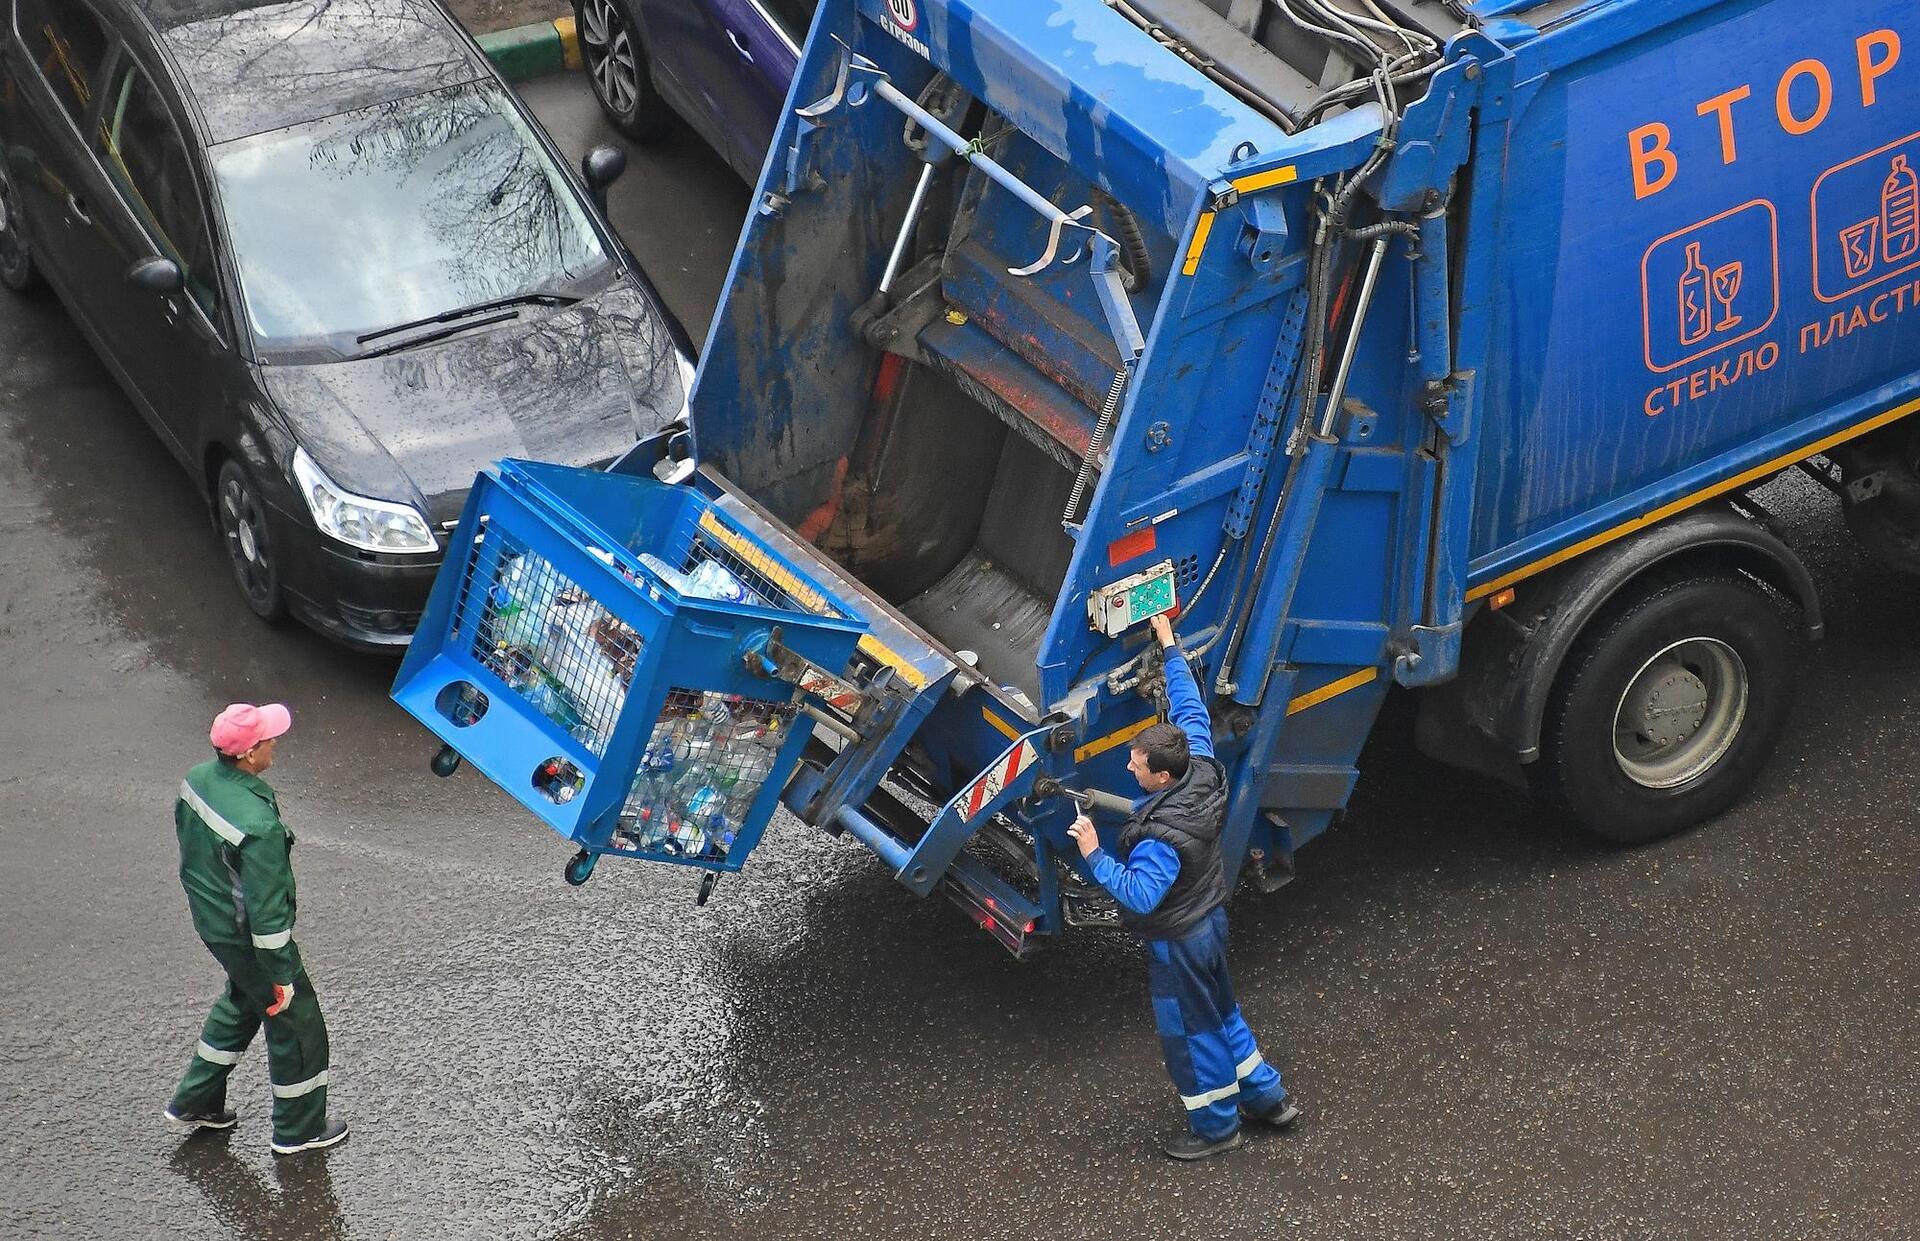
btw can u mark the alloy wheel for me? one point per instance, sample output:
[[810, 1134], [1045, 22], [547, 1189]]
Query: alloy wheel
[[609, 50], [243, 528]]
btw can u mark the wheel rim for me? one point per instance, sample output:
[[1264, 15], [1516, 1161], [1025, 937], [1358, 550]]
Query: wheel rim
[[1680, 713], [13, 247], [610, 56], [244, 523]]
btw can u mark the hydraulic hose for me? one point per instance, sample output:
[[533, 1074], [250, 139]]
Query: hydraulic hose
[[1137, 271]]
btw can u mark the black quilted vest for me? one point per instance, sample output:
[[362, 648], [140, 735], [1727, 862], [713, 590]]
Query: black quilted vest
[[1188, 816]]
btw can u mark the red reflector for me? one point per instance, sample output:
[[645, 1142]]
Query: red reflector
[[1125, 548], [1028, 928], [990, 904]]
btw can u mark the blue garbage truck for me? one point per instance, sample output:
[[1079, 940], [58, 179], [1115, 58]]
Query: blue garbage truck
[[1438, 344]]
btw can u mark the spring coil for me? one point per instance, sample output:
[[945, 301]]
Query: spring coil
[[1108, 413]]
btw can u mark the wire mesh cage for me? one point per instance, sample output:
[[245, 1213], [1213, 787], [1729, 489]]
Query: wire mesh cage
[[706, 761], [596, 645]]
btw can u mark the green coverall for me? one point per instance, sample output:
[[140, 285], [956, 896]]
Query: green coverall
[[236, 865]]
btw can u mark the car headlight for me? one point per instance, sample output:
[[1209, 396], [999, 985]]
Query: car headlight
[[360, 521]]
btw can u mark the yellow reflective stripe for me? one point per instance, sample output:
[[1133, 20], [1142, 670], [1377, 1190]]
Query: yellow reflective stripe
[[1012, 733], [1199, 243], [278, 939], [1333, 689], [1686, 502], [301, 1088], [805, 595], [213, 1055], [1255, 182], [1248, 1065], [760, 562], [216, 823], [1111, 740]]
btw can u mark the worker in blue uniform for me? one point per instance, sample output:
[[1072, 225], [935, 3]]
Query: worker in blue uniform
[[1171, 889]]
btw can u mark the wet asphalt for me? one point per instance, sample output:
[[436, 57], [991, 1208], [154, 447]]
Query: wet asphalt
[[1496, 1028]]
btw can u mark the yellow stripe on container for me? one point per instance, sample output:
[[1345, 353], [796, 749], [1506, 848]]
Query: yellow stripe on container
[[1686, 502], [1255, 182], [805, 595], [1331, 690], [1199, 243]]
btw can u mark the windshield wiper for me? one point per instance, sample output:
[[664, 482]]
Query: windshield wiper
[[535, 298]]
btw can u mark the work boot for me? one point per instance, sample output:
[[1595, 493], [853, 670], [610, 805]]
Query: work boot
[[1278, 1117], [332, 1133], [1190, 1145], [193, 1122]]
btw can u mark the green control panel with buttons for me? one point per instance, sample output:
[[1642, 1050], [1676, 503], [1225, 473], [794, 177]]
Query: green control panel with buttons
[[1118, 606]]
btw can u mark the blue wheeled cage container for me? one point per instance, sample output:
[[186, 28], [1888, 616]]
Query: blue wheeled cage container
[[604, 648]]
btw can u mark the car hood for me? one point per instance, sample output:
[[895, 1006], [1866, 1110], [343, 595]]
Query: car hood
[[575, 386]]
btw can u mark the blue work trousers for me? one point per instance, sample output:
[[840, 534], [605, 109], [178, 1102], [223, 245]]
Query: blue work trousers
[[1210, 1051]]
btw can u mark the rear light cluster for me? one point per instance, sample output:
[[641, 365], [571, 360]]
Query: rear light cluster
[[1012, 929]]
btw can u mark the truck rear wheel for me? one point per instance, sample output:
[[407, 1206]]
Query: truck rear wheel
[[1669, 706]]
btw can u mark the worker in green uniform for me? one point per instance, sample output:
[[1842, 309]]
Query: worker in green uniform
[[236, 865]]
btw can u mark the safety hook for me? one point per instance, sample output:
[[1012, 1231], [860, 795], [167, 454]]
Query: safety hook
[[1047, 256]]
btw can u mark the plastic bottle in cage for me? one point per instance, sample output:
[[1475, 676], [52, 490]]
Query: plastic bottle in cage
[[712, 580], [715, 711]]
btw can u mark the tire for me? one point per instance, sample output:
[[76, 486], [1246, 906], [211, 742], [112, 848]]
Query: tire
[[617, 66], [241, 517], [1724, 652], [17, 271]]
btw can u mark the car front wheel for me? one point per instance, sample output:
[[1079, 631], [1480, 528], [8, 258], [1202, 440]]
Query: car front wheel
[[16, 263], [242, 518], [616, 63]]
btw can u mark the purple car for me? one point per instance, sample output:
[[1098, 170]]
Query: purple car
[[723, 65]]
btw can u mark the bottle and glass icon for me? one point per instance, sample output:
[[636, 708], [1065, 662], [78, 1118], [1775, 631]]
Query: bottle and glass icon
[[1707, 295], [1893, 234]]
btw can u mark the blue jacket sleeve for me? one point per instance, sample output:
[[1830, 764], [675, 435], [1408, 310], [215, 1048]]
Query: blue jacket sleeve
[[1142, 883], [1184, 706]]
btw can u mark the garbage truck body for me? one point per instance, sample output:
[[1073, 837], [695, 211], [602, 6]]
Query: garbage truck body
[[1382, 342]]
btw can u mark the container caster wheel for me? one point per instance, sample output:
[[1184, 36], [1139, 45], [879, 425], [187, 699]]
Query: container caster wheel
[[580, 867], [708, 882], [446, 762]]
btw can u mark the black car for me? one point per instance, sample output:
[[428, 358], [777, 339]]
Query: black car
[[334, 263]]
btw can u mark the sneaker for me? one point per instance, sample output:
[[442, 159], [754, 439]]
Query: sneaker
[[332, 1133], [1190, 1145], [195, 1121], [1280, 1116]]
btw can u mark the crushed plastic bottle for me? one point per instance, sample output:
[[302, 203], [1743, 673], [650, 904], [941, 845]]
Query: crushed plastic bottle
[[712, 580]]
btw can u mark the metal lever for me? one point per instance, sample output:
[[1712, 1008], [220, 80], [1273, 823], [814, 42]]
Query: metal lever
[[1046, 258]]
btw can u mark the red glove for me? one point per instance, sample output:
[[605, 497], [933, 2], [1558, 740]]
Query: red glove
[[282, 996]]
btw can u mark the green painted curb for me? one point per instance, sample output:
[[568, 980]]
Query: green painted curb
[[533, 51]]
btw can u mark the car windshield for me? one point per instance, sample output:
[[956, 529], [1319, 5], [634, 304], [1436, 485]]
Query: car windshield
[[396, 213]]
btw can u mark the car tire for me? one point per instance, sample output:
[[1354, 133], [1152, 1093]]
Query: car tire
[[617, 65], [241, 516], [1669, 706], [17, 271]]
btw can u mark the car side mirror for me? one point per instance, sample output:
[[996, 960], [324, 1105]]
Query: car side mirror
[[156, 275], [600, 168]]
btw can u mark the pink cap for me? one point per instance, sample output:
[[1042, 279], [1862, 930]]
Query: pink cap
[[242, 726]]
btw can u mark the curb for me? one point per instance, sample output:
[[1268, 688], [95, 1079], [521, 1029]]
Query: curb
[[533, 51]]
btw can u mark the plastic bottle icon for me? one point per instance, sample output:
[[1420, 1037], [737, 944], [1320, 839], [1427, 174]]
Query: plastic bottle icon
[[1696, 312], [1900, 212]]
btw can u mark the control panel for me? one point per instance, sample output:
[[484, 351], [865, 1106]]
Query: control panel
[[1118, 606]]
